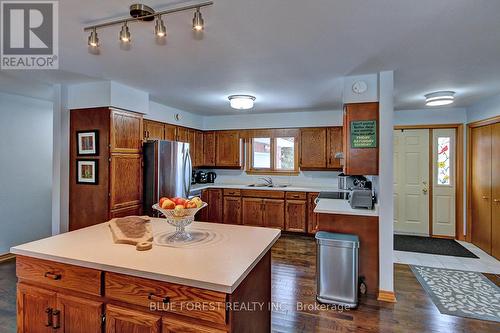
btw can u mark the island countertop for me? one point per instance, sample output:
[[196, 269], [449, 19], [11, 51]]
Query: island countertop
[[220, 265], [342, 207]]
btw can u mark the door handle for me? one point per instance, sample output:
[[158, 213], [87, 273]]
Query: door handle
[[56, 319], [485, 197], [48, 311], [426, 188], [496, 200]]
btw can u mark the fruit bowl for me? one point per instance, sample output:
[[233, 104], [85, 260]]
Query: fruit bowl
[[180, 220]]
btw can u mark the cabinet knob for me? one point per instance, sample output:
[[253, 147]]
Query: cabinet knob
[[53, 276], [157, 298], [485, 197], [496, 200]]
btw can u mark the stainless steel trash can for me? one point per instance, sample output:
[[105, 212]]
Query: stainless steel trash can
[[337, 268]]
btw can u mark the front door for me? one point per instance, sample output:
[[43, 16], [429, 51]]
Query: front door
[[411, 182]]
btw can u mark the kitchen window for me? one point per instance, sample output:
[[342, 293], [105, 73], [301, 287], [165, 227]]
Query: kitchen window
[[271, 155]]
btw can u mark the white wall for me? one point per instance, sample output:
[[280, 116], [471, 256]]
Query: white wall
[[25, 170], [163, 113], [483, 110], [273, 120], [431, 116]]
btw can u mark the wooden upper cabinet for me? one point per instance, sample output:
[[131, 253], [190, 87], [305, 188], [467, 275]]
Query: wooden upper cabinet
[[153, 130], [274, 213], [79, 315], [313, 148], [126, 132], [252, 211], [296, 215], [228, 149], [121, 320], [209, 148], [360, 161], [232, 210], [170, 132], [182, 134], [198, 142], [334, 145], [495, 191], [125, 180], [34, 309]]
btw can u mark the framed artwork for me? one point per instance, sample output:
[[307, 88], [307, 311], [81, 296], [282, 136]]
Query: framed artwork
[[87, 143], [87, 172]]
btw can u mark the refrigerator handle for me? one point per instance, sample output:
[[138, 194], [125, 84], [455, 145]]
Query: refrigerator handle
[[190, 171]]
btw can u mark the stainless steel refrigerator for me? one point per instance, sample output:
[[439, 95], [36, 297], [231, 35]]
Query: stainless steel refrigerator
[[167, 172]]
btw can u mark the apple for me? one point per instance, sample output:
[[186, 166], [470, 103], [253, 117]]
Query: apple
[[179, 201], [190, 204], [167, 204], [179, 210], [160, 203]]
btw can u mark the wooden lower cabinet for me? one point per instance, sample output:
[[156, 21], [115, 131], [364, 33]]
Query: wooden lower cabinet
[[122, 320], [263, 212], [176, 326], [296, 215], [232, 210], [34, 309], [274, 213], [78, 315], [312, 217], [252, 211], [214, 209]]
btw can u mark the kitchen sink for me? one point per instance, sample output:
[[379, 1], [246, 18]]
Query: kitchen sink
[[267, 185]]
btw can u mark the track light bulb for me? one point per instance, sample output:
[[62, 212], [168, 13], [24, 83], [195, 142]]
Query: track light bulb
[[125, 33], [160, 29], [93, 39], [198, 23]]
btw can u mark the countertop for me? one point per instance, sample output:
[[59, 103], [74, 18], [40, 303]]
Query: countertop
[[291, 188], [219, 265], [339, 206]]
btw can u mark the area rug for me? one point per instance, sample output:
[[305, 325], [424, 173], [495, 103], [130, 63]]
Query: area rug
[[460, 293], [441, 246]]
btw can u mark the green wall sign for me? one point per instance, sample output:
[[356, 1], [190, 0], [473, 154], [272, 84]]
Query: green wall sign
[[364, 134]]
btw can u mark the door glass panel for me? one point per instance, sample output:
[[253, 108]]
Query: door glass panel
[[443, 163], [261, 158], [285, 159]]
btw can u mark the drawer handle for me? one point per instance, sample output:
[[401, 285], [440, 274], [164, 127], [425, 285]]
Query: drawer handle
[[153, 297], [56, 319], [53, 276], [295, 196], [48, 311]]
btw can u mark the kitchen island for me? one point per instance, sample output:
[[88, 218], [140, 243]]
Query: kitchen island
[[81, 282]]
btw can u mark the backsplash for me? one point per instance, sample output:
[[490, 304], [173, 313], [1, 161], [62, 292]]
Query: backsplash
[[304, 178]]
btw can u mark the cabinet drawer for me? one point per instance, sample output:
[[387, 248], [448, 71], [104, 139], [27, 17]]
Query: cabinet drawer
[[271, 194], [175, 326], [232, 192], [189, 301], [81, 279], [296, 195]]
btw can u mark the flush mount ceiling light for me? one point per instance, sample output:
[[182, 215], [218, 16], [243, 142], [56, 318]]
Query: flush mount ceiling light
[[440, 98], [143, 13], [241, 102]]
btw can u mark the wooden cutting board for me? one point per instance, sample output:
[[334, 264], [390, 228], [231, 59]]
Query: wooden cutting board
[[133, 230]]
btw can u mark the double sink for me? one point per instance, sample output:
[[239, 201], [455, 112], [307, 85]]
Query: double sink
[[268, 185]]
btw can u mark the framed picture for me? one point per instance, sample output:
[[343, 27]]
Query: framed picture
[[87, 143], [87, 172]]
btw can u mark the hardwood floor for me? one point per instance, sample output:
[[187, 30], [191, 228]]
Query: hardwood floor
[[293, 278]]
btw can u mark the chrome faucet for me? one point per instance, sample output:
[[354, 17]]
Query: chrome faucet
[[267, 180]]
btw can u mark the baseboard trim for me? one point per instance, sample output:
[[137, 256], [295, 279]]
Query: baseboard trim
[[7, 257], [386, 296]]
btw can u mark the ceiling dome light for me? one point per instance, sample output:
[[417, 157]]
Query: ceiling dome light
[[160, 29], [241, 102], [198, 23], [93, 39], [440, 98], [125, 33]]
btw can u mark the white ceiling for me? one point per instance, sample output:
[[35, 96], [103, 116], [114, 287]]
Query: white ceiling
[[293, 54]]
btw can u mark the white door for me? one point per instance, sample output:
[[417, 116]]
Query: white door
[[411, 182], [443, 182]]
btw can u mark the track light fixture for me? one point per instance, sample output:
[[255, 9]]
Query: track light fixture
[[143, 13], [160, 29], [125, 34], [93, 39], [198, 23]]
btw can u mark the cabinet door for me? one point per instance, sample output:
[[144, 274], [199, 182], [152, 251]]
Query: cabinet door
[[296, 215], [153, 130], [232, 210], [313, 148], [78, 315], [182, 134], [274, 213], [175, 326], [209, 148], [334, 146], [215, 205], [120, 320], [252, 211], [495, 191], [203, 213], [126, 132], [228, 148], [126, 180], [198, 142], [34, 309], [312, 218], [481, 187], [170, 132]]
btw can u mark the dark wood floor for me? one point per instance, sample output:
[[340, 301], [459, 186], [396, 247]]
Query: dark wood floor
[[293, 268]]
